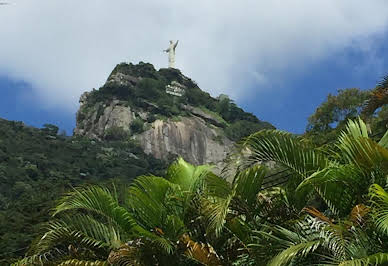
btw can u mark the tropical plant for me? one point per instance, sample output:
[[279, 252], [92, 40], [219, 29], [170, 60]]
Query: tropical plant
[[327, 208], [339, 175], [145, 225]]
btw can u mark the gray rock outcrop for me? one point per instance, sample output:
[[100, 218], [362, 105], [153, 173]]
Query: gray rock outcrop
[[193, 138]]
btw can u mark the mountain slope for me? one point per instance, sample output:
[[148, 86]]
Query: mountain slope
[[166, 112]]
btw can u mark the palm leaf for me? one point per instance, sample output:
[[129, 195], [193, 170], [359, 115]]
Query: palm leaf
[[97, 200], [298, 250], [384, 140], [282, 148], [215, 206], [336, 184], [375, 259], [148, 199], [379, 200], [75, 262], [248, 184], [41, 258], [186, 175], [356, 148]]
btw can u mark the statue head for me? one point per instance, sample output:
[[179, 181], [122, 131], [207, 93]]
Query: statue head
[[171, 41]]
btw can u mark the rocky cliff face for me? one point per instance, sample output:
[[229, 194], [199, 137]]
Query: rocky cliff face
[[191, 137], [135, 103]]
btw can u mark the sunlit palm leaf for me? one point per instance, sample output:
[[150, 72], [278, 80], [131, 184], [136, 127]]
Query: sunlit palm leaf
[[186, 175], [356, 148], [384, 141], [97, 200]]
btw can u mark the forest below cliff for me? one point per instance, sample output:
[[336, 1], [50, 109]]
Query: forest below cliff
[[37, 166]]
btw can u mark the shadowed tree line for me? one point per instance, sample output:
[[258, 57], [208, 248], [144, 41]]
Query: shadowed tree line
[[37, 166]]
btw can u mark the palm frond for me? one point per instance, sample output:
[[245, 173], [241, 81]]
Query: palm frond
[[97, 200], [384, 140], [336, 184], [75, 262], [82, 230], [379, 201], [282, 148], [248, 184], [151, 199], [186, 175], [375, 259], [41, 258], [298, 250], [215, 206], [356, 148], [356, 129]]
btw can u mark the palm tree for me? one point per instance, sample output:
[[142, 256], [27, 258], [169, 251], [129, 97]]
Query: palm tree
[[149, 226], [339, 175], [193, 216]]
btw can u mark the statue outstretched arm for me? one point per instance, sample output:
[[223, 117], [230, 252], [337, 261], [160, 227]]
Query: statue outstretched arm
[[167, 50], [176, 44]]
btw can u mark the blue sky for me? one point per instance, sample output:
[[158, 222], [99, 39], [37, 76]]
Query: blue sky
[[288, 111], [277, 59], [349, 68]]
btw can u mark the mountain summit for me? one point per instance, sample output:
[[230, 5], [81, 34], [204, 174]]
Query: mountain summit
[[166, 113]]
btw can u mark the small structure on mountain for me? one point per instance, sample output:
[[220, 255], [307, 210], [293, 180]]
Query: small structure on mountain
[[176, 89]]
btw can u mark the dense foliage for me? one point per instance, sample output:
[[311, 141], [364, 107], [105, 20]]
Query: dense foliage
[[331, 116], [148, 92], [332, 210], [36, 166]]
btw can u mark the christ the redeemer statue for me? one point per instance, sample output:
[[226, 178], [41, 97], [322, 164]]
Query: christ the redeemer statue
[[171, 54]]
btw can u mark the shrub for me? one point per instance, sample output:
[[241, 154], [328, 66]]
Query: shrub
[[137, 126], [116, 133]]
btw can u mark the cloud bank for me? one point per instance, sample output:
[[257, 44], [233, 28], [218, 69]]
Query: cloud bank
[[63, 48]]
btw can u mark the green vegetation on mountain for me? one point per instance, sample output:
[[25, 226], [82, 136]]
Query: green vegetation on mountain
[[37, 166], [148, 90]]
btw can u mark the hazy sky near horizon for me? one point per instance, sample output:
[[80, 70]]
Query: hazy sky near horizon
[[278, 59]]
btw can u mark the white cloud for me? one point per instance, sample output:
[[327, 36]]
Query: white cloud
[[65, 47]]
